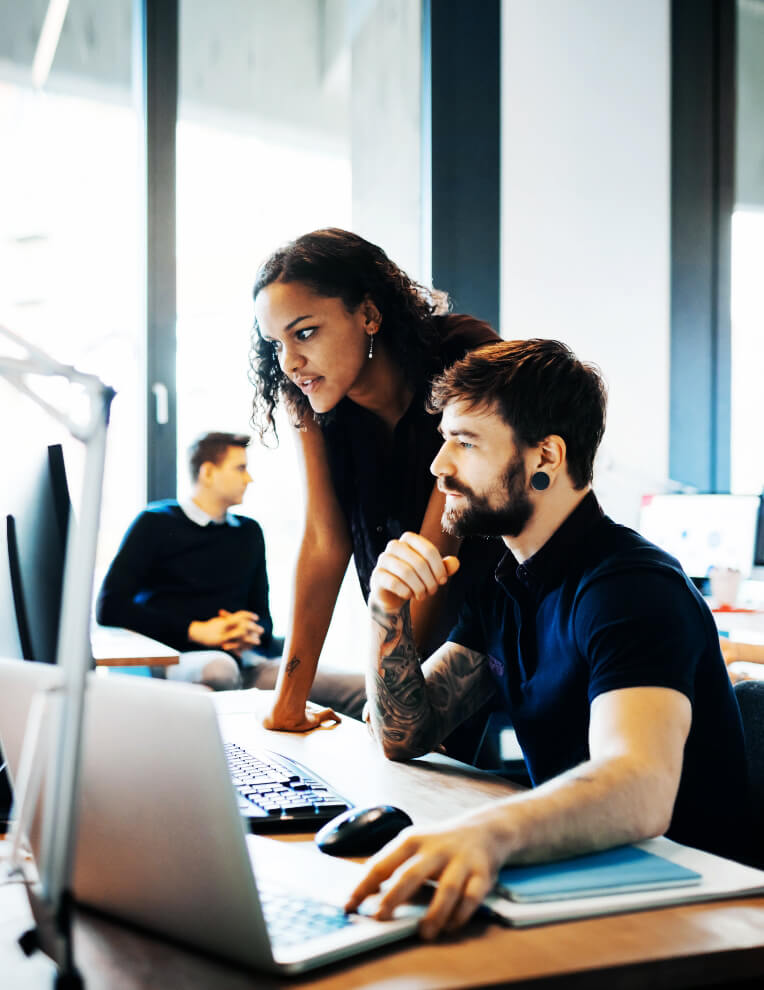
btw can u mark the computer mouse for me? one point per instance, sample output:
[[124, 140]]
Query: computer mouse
[[361, 831]]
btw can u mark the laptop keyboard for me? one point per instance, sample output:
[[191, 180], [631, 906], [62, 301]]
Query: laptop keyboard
[[276, 792], [292, 918]]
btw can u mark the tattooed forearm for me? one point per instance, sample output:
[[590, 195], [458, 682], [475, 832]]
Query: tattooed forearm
[[391, 624], [398, 704], [457, 685], [292, 666], [411, 710]]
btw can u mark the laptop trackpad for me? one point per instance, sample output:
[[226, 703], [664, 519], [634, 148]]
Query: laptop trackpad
[[301, 867]]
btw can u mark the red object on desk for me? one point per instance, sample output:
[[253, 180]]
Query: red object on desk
[[732, 608]]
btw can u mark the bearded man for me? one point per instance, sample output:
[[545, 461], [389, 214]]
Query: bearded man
[[594, 642]]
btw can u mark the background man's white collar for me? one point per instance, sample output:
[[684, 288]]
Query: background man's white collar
[[202, 518]]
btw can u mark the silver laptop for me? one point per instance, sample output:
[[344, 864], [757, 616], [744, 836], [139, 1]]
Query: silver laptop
[[160, 840]]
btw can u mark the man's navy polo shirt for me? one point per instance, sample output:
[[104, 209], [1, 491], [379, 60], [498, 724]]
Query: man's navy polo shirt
[[596, 609]]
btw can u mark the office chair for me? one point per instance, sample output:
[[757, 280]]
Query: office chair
[[750, 699]]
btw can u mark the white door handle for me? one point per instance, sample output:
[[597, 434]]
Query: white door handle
[[161, 403]]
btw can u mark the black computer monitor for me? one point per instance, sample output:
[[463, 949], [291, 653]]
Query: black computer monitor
[[36, 532], [37, 509], [758, 558]]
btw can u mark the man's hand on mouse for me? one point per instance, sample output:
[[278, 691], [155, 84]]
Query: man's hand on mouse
[[409, 568], [464, 857]]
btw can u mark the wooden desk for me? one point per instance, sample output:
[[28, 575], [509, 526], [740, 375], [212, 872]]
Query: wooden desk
[[691, 946], [113, 647]]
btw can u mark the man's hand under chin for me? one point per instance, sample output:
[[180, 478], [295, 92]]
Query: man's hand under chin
[[410, 568]]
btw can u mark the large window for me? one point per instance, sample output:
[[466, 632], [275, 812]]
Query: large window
[[69, 237], [292, 116]]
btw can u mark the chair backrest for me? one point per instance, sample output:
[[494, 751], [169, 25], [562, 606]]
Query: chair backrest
[[750, 698]]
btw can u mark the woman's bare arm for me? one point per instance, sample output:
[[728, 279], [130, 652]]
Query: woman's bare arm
[[323, 557]]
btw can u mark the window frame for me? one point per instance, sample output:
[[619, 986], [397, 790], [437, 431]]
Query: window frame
[[155, 81], [702, 201]]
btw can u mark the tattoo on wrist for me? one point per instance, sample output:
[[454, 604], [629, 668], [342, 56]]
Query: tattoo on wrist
[[393, 624], [292, 666], [398, 700], [398, 645]]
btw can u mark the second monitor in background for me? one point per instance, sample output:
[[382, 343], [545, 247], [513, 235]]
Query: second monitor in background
[[36, 529], [703, 531], [35, 510]]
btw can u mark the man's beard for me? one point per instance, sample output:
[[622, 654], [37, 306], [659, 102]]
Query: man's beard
[[479, 517]]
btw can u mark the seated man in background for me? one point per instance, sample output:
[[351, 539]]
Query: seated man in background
[[192, 575], [593, 640]]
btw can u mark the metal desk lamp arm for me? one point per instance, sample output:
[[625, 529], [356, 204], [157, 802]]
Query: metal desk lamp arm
[[73, 654]]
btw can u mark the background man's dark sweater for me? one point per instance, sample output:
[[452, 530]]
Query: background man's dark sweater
[[169, 572]]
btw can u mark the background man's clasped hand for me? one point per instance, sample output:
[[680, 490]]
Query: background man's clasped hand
[[231, 631]]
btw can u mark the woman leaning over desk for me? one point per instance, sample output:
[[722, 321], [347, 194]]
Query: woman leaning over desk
[[350, 343]]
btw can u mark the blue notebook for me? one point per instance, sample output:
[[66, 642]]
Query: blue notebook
[[615, 871]]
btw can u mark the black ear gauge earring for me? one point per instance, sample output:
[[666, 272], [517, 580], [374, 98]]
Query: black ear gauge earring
[[539, 481]]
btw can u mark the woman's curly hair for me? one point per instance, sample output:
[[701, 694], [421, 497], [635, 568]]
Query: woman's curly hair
[[338, 264]]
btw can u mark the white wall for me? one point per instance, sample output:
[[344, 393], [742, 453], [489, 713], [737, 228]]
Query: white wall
[[585, 211]]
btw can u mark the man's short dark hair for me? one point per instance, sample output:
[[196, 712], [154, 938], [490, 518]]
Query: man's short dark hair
[[212, 447], [539, 388]]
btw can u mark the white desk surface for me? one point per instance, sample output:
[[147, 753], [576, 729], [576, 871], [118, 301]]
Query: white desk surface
[[115, 647]]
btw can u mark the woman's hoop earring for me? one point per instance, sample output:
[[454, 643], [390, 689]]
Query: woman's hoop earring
[[539, 481], [371, 345]]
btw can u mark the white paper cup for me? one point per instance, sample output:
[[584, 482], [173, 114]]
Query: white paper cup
[[725, 585]]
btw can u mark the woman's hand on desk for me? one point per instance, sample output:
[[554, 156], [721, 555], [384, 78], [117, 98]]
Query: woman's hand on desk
[[310, 717], [463, 857]]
